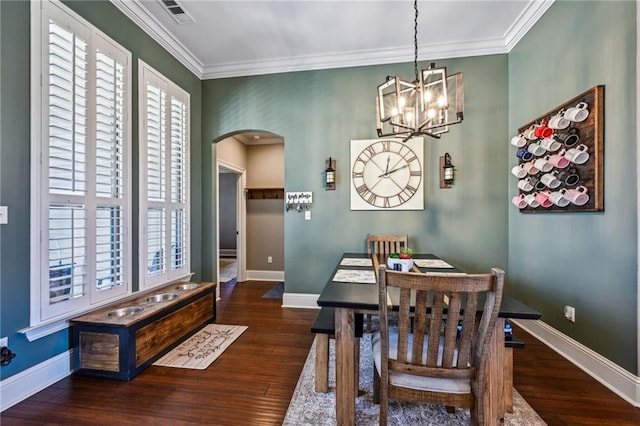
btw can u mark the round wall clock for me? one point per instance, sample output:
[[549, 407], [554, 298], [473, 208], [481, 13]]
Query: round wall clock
[[387, 174]]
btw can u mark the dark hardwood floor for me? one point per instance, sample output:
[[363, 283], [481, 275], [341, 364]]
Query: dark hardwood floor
[[251, 383]]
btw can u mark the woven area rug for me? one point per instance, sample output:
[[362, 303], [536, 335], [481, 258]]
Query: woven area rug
[[314, 409], [201, 349]]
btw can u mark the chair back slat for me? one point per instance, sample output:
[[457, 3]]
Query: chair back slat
[[437, 304], [386, 244]]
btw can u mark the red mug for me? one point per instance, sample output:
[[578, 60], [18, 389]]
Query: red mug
[[543, 131]]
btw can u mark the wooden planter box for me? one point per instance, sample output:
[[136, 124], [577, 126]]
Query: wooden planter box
[[122, 347]]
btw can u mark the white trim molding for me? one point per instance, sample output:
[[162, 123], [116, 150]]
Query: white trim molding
[[265, 275], [158, 32], [617, 379], [300, 300], [34, 379]]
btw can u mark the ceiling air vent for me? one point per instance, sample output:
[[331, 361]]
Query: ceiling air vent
[[177, 11]]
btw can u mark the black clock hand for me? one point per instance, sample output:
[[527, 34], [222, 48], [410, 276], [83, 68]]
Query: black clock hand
[[388, 159], [394, 170]]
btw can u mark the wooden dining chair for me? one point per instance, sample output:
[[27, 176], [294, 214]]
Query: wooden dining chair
[[386, 244], [383, 245], [435, 361]]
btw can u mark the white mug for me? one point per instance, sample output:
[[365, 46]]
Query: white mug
[[519, 140], [536, 149], [531, 200], [578, 113], [558, 199], [524, 185], [558, 121], [550, 144], [519, 171], [530, 133], [550, 180], [543, 165], [578, 155]]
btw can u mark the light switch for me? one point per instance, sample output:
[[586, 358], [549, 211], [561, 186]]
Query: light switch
[[4, 215]]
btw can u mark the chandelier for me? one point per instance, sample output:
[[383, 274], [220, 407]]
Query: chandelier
[[426, 106]]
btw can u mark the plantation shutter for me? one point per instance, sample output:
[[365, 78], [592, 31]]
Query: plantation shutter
[[68, 75], [165, 184], [85, 146]]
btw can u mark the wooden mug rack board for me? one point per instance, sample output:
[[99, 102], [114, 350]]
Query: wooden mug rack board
[[591, 132]]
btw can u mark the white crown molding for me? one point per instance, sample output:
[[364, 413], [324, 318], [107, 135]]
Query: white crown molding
[[355, 58], [158, 32], [149, 24], [525, 21]]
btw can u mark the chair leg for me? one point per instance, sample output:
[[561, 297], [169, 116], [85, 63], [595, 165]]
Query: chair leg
[[322, 363], [376, 386]]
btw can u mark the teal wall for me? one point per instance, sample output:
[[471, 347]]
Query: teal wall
[[319, 112], [587, 260], [15, 167]]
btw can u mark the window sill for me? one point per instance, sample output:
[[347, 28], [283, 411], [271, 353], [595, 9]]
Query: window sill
[[42, 330], [39, 331]]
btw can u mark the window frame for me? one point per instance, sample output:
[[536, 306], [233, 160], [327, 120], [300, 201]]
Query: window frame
[[147, 74], [43, 318]]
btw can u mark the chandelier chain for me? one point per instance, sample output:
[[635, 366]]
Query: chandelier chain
[[415, 40]]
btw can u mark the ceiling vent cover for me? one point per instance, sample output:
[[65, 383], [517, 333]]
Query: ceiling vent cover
[[177, 11]]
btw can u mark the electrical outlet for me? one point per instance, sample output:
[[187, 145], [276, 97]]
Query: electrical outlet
[[570, 313], [307, 215], [4, 341], [269, 259], [4, 215]]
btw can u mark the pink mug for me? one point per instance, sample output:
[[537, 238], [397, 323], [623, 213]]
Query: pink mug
[[519, 201], [543, 199], [577, 196], [558, 160]]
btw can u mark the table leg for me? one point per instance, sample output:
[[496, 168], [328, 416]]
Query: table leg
[[346, 387]]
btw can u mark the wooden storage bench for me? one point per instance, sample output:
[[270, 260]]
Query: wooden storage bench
[[118, 341]]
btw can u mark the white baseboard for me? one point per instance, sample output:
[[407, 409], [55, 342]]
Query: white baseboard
[[617, 379], [300, 300], [32, 380], [265, 275], [227, 252]]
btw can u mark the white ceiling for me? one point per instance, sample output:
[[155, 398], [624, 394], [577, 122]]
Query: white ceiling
[[241, 37]]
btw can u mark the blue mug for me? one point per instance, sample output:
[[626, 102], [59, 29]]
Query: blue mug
[[524, 154]]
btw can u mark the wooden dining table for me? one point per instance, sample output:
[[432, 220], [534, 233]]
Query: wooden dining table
[[352, 290]]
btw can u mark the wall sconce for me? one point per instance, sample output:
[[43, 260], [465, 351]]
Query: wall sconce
[[446, 171], [330, 175]]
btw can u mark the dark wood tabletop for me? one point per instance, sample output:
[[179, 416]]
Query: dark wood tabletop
[[360, 296]]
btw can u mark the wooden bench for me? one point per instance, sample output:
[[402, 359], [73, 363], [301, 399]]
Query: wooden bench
[[324, 329], [109, 343]]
